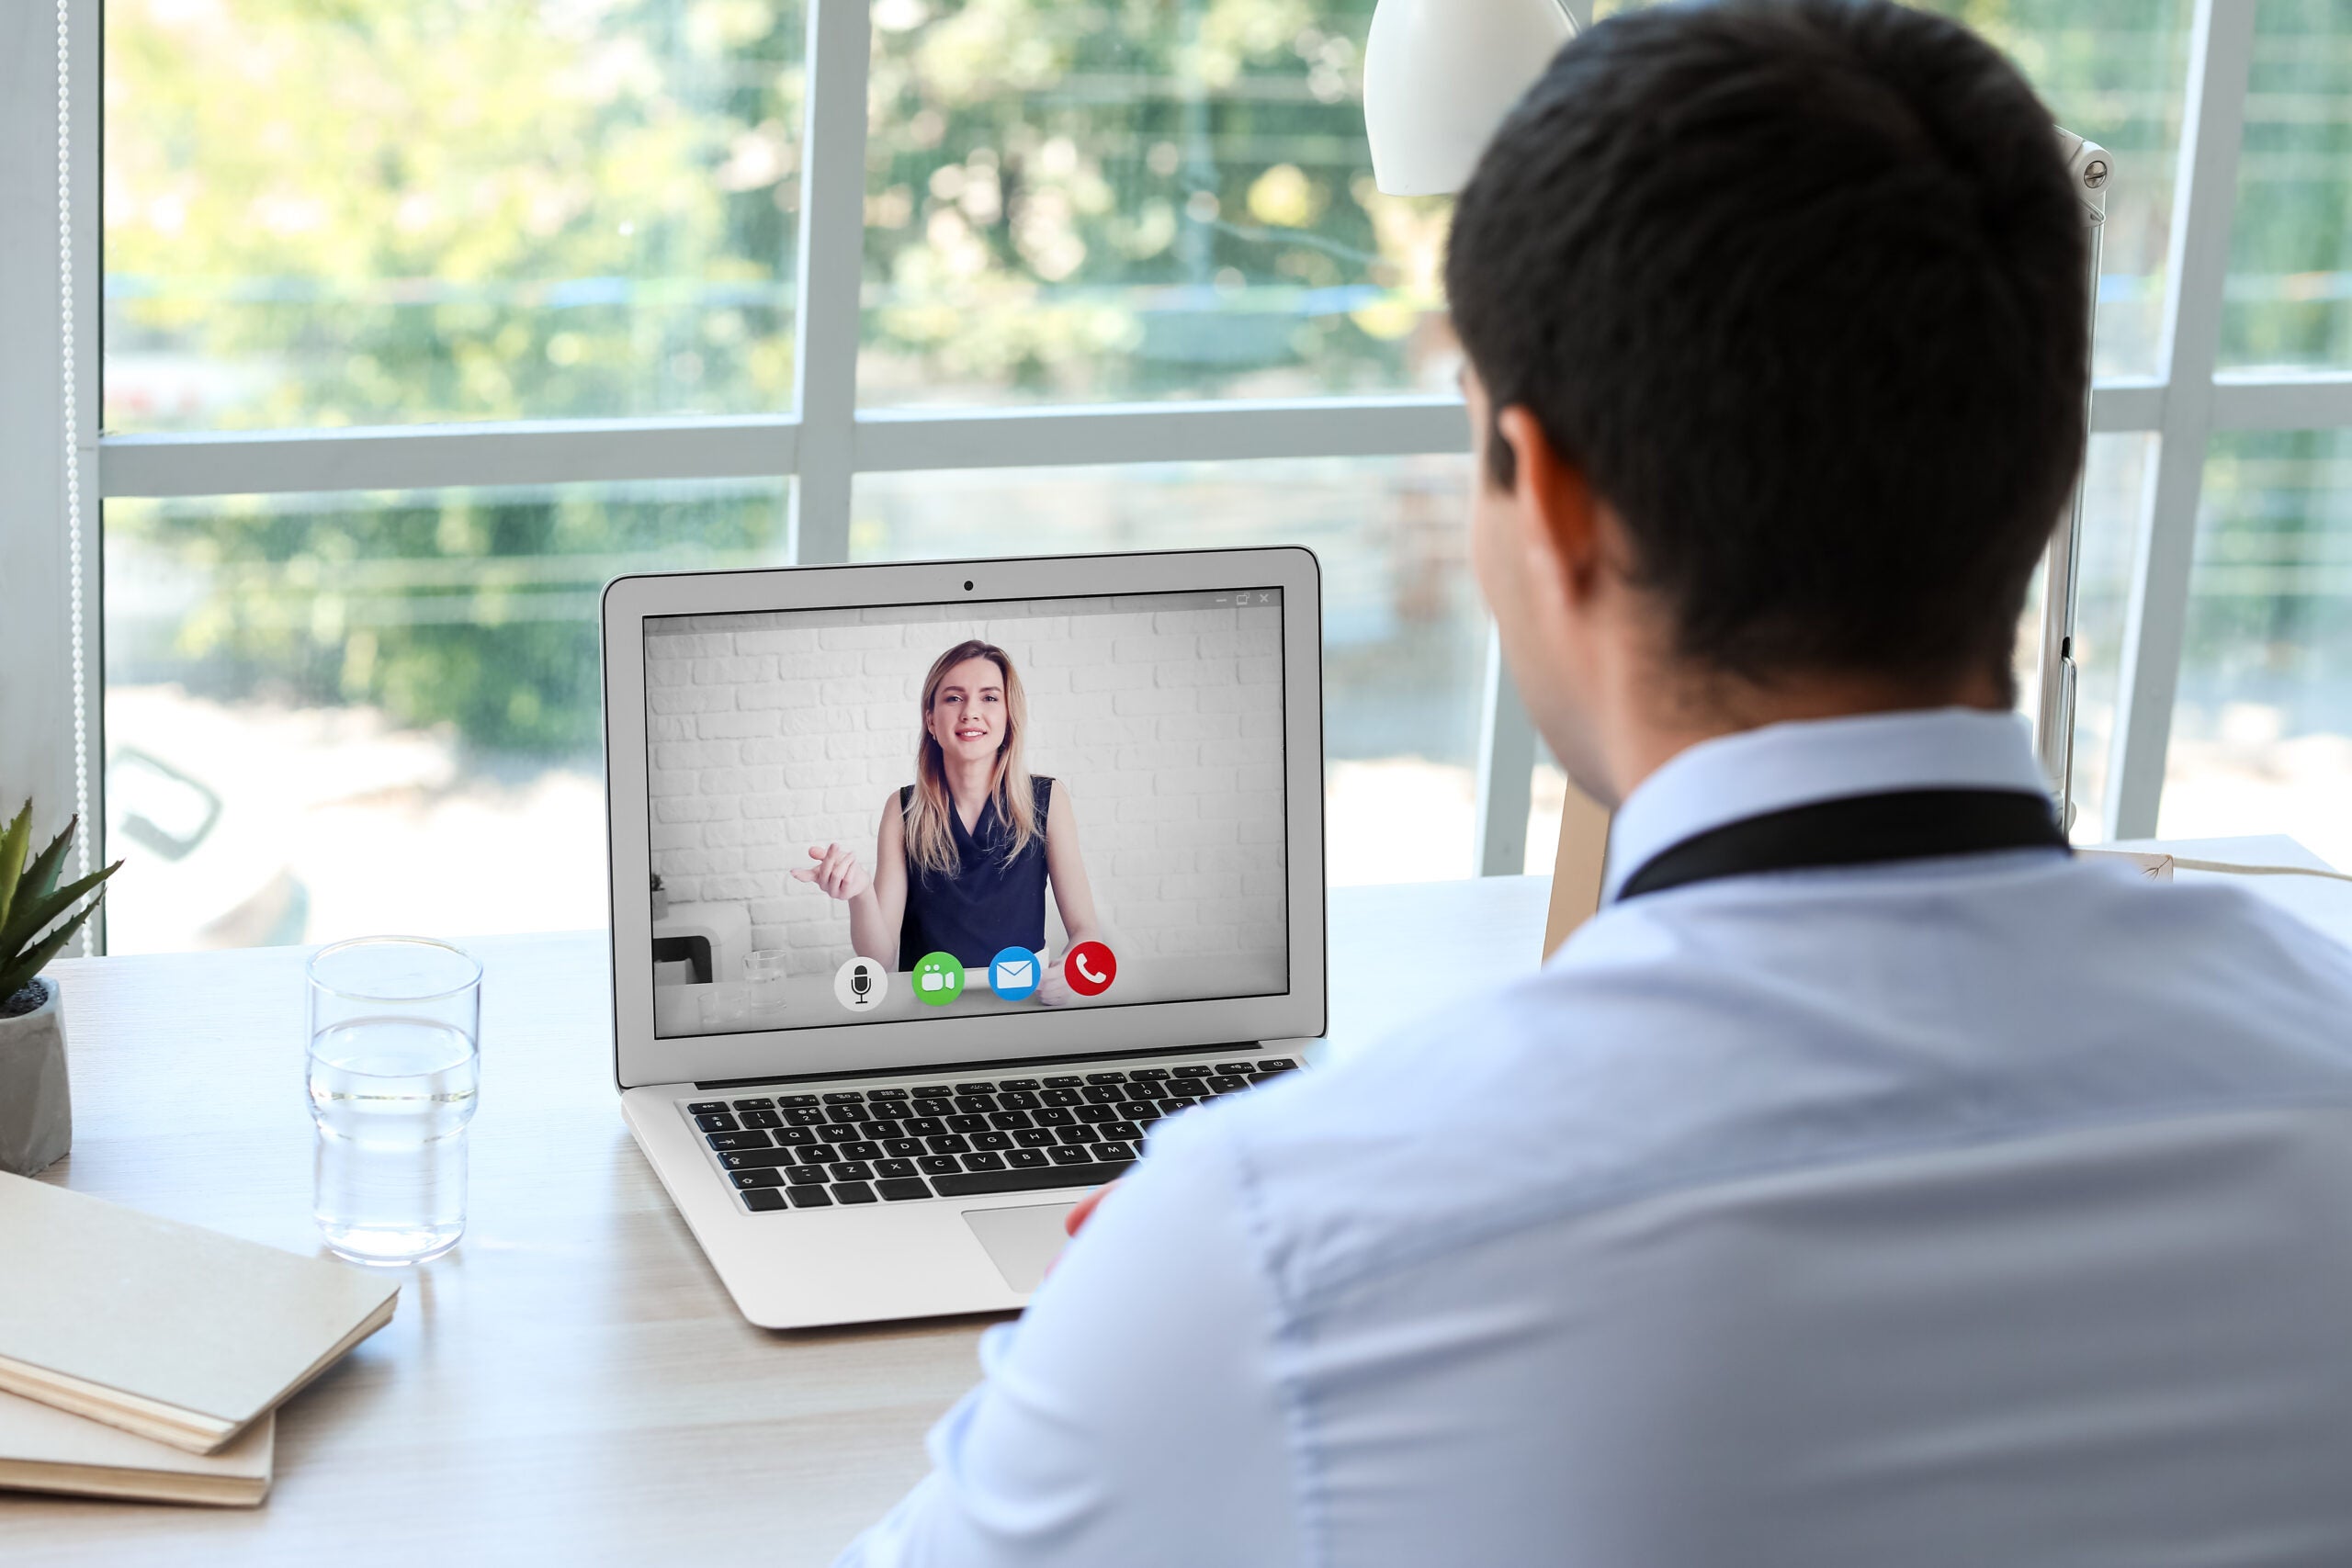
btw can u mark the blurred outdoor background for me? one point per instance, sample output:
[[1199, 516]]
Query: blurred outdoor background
[[376, 710]]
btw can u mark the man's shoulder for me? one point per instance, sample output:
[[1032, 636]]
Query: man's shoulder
[[1667, 1049]]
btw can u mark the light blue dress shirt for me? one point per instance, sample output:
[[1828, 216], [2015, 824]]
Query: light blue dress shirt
[[1336, 1321]]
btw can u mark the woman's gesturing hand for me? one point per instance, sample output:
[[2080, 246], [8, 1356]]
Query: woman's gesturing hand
[[837, 873]]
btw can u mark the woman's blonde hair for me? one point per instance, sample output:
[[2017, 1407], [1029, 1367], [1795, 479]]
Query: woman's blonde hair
[[931, 837]]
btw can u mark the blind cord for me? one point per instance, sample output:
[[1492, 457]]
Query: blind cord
[[2232, 869], [72, 413]]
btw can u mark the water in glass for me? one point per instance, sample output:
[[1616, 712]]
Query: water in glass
[[391, 1098]]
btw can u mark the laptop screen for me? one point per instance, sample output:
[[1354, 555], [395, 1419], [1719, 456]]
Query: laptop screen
[[925, 811]]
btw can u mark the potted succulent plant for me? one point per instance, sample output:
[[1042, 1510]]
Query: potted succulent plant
[[36, 1108]]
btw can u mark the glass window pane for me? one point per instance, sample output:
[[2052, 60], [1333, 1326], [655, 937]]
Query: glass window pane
[[339, 713], [2289, 299], [1078, 202], [1404, 636], [2262, 729], [388, 211], [2113, 71]]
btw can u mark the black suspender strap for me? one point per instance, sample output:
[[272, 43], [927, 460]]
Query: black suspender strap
[[1861, 830]]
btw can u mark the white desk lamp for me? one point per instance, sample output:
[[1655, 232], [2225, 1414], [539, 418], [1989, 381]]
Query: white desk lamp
[[1439, 75]]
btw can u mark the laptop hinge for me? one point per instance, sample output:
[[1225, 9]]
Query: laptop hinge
[[971, 1070]]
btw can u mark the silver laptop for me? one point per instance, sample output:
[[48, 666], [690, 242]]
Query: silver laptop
[[936, 885]]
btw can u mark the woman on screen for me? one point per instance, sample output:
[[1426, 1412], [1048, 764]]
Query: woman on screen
[[966, 851]]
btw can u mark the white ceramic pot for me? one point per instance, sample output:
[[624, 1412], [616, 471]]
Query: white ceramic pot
[[36, 1105]]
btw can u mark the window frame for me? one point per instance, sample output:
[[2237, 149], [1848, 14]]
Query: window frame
[[826, 441]]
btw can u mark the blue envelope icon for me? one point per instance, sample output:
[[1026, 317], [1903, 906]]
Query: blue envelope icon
[[1012, 974]]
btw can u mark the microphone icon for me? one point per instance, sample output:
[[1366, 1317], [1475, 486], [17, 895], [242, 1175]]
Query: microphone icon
[[860, 981]]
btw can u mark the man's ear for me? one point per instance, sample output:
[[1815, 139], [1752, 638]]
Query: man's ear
[[1560, 520]]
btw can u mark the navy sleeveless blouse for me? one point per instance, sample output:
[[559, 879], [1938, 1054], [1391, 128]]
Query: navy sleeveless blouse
[[987, 906]]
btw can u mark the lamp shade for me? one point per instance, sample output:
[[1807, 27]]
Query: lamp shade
[[1439, 75]]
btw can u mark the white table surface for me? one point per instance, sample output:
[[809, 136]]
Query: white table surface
[[572, 1384]]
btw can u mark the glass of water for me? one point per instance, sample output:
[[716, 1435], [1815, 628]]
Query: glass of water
[[394, 1072]]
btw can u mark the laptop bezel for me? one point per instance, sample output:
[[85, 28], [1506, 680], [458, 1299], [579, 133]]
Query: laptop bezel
[[639, 1057]]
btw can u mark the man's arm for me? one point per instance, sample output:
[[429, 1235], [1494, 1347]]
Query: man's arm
[[1132, 1415]]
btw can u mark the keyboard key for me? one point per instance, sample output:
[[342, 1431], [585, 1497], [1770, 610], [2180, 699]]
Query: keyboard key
[[1113, 1151], [724, 1142], [931, 1092], [1126, 1131], [923, 1126], [1013, 1100], [1256, 1078], [761, 1104], [953, 1144], [791, 1102], [763, 1200], [1066, 1081], [976, 1089], [1149, 1075], [1106, 1078], [1142, 1093], [1095, 1115], [1009, 1121], [893, 1168], [1176, 1103], [1071, 1154], [974, 1104], [1194, 1072], [850, 1113], [794, 1137], [902, 1148], [805, 1116], [760, 1159], [1278, 1064], [886, 1094], [810, 1196], [1054, 1116], [1062, 1097], [1027, 1159], [853, 1192], [851, 1171], [899, 1188], [929, 1107], [991, 1139], [759, 1119], [1035, 1138], [1105, 1094], [860, 1148], [747, 1180], [815, 1154], [846, 1097], [1145, 1115], [1225, 1083], [716, 1121], [983, 1162], [807, 1176], [875, 1132], [939, 1165], [977, 1184], [1234, 1066], [707, 1107], [1079, 1135], [1003, 1085], [967, 1123]]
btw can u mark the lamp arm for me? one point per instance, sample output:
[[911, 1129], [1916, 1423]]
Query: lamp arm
[[2054, 720]]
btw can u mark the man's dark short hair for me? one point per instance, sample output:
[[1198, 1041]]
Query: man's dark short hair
[[1801, 286]]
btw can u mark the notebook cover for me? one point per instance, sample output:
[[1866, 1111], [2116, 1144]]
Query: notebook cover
[[166, 1314], [47, 1450]]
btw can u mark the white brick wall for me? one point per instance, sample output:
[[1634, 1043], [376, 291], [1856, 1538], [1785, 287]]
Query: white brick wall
[[771, 732]]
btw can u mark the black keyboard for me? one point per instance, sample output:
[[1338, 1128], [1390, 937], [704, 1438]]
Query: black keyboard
[[970, 1139]]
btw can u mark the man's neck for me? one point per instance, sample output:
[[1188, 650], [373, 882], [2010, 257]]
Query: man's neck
[[1674, 715]]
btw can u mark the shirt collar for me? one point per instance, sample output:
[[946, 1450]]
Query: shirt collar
[[1781, 766]]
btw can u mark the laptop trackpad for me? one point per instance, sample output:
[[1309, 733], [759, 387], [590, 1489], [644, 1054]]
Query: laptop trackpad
[[1022, 1243]]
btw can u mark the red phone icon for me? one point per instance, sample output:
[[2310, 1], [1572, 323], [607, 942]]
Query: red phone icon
[[1090, 968]]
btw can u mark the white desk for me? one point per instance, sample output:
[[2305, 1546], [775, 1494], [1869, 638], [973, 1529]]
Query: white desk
[[571, 1384]]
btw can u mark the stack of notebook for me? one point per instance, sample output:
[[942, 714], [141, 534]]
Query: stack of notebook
[[140, 1358]]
